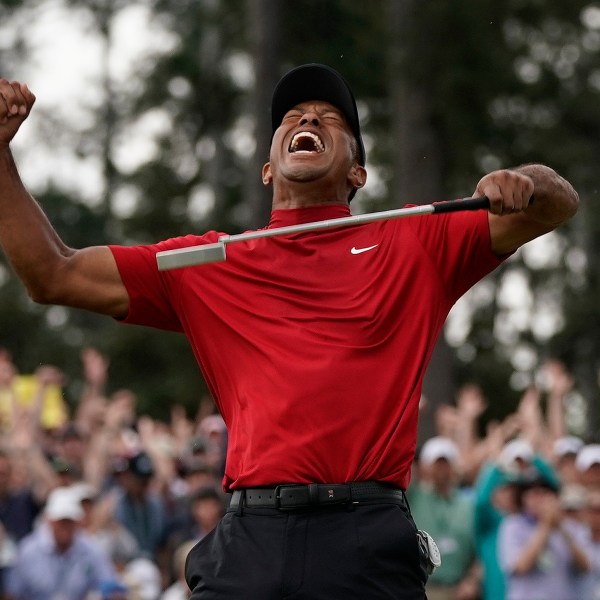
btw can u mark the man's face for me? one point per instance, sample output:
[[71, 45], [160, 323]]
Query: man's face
[[313, 144], [64, 531], [442, 472], [535, 499]]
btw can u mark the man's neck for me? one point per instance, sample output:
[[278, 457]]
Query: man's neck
[[444, 490], [306, 195]]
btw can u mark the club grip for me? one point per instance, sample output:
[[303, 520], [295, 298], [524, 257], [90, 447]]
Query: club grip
[[464, 204], [481, 202]]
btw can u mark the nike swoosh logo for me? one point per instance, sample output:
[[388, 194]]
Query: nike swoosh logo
[[356, 250]]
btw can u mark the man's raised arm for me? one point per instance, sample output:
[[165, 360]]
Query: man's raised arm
[[52, 272]]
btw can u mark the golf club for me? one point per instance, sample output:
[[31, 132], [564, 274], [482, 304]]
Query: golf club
[[211, 253]]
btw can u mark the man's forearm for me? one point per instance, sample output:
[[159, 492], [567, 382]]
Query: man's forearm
[[555, 199], [29, 241]]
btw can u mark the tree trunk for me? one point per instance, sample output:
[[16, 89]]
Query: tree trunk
[[417, 178], [264, 24]]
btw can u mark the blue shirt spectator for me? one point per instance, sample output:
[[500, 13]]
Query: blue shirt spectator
[[495, 497], [141, 511], [57, 560], [540, 552], [18, 509]]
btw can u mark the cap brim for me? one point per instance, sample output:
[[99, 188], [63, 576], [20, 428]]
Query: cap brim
[[316, 82]]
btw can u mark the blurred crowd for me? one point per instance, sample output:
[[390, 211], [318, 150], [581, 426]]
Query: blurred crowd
[[515, 512], [99, 502]]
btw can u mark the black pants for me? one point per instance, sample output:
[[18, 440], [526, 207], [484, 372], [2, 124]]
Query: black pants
[[363, 552]]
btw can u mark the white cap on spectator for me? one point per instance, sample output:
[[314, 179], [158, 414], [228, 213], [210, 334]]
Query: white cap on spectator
[[589, 455], [142, 576], [62, 504], [567, 445], [439, 447], [517, 448]]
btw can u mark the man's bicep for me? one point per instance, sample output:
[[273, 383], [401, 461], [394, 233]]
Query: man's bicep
[[91, 281], [510, 232]]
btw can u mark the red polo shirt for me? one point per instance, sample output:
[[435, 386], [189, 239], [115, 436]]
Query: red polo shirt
[[314, 345]]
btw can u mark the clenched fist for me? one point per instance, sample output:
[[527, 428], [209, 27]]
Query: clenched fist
[[16, 101]]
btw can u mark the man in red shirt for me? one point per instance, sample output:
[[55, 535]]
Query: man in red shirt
[[314, 345]]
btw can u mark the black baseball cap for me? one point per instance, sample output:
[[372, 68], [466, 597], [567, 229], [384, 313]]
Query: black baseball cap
[[316, 82]]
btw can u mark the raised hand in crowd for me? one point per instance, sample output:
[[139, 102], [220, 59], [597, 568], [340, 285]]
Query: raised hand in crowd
[[559, 382], [182, 429], [91, 407], [95, 370], [470, 406], [156, 440], [115, 437], [531, 418]]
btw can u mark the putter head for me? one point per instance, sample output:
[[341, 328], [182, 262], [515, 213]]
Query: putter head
[[191, 256]]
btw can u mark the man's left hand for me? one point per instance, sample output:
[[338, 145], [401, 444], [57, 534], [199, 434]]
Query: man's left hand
[[509, 191]]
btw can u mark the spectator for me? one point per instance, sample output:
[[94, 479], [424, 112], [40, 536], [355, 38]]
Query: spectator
[[99, 523], [592, 517], [67, 564], [18, 508], [179, 589], [8, 554], [564, 455], [207, 509], [195, 473], [496, 497], [71, 445], [213, 429], [588, 465], [142, 578], [573, 502], [204, 508], [140, 510], [66, 473], [446, 514], [115, 437], [24, 441], [540, 553], [39, 393]]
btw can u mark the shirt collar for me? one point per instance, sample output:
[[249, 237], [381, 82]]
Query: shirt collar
[[293, 216]]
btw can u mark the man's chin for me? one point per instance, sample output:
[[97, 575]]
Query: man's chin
[[305, 171]]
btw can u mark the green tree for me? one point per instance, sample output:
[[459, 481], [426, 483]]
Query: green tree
[[447, 91]]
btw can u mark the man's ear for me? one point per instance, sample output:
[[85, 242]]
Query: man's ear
[[267, 176], [357, 177]]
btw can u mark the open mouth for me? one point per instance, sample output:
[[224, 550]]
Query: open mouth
[[306, 142]]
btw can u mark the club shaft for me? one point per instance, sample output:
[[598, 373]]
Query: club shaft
[[426, 209], [184, 257]]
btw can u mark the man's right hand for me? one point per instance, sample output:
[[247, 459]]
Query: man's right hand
[[16, 101]]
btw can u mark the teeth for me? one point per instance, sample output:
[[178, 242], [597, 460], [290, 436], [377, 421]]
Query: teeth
[[306, 141]]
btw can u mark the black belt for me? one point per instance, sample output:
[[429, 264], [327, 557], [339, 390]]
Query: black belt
[[292, 496]]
